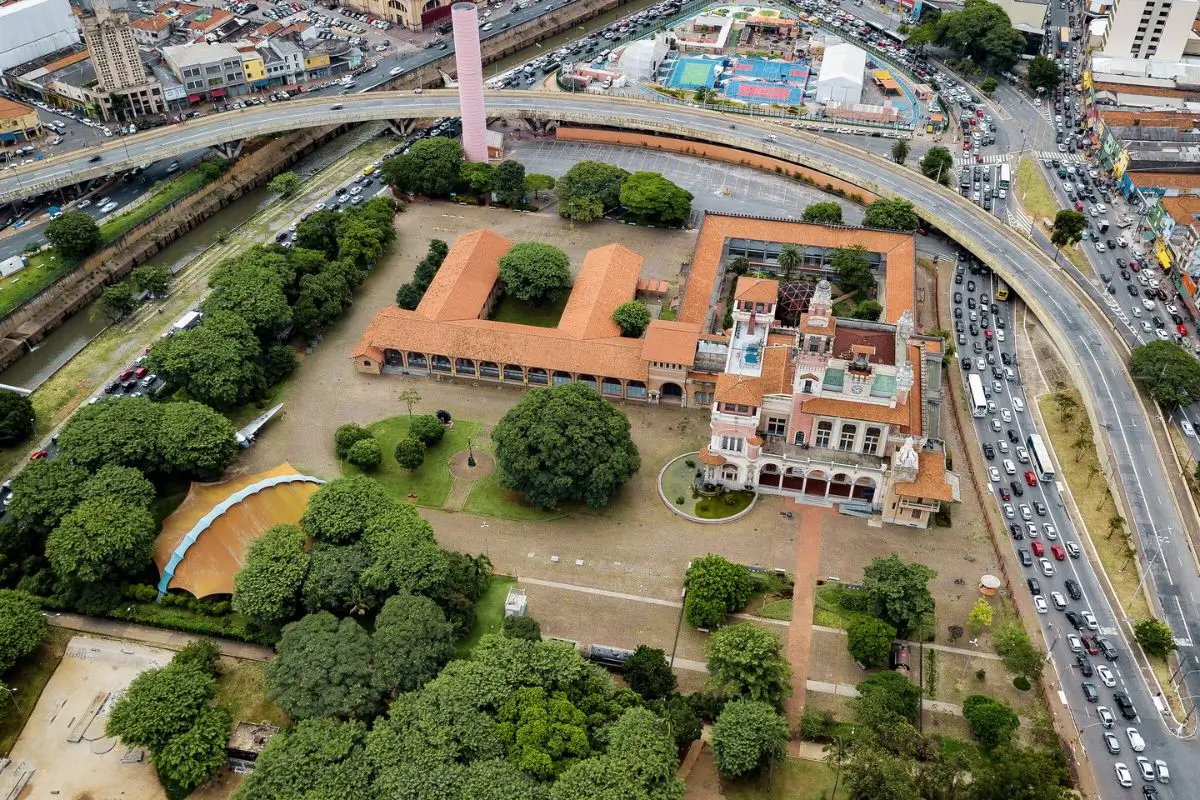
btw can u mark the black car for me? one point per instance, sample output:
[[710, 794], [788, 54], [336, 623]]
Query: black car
[[1006, 359], [1090, 693], [1085, 665], [1111, 244], [1125, 705], [1125, 274], [1012, 436], [974, 329], [997, 373], [1107, 647], [989, 451], [1034, 586], [1075, 620], [1016, 488], [113, 387], [1022, 553], [1133, 292], [1073, 589], [94, 159], [970, 286], [966, 363], [958, 326], [958, 297], [1150, 792], [958, 278], [958, 311], [1104, 276]]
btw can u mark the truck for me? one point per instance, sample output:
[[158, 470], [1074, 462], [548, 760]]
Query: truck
[[189, 320]]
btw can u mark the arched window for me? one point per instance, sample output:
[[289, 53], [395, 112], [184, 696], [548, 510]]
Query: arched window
[[799, 438], [846, 439], [871, 441], [824, 433]]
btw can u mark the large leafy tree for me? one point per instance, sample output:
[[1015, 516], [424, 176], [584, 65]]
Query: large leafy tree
[[715, 587], [1043, 74], [565, 443], [75, 234], [852, 268], [195, 441], [981, 29], [892, 213], [510, 182], [267, 587], [318, 758], [1153, 635], [893, 692], [285, 184], [342, 509], [1168, 372], [120, 432], [22, 627], [255, 294], [640, 763], [937, 164], [545, 733], [323, 669], [122, 483], [632, 318], [1018, 653], [404, 555], [116, 301], [897, 592], [16, 418], [653, 199], [45, 491], [824, 213], [869, 641], [1014, 773], [431, 167], [101, 539], [747, 662], [588, 189], [535, 272], [747, 736], [320, 232], [412, 641], [159, 705], [151, 278], [333, 581], [648, 673], [217, 362], [1068, 228], [195, 756], [992, 722]]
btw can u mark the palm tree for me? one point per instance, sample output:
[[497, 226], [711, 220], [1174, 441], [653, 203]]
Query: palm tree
[[837, 750], [900, 151], [789, 259], [1115, 523], [739, 265], [1083, 441], [1093, 471]]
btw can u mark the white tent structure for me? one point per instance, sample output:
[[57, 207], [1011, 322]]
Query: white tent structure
[[640, 59], [841, 76]]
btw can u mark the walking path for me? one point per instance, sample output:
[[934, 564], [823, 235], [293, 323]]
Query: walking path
[[810, 523], [570, 587], [172, 640]]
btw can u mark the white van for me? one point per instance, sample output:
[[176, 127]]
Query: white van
[[1009, 467]]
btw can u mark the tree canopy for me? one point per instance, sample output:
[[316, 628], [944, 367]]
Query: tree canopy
[[715, 587], [588, 189], [323, 669], [317, 758], [937, 165], [900, 150], [341, 510], [981, 30], [411, 643], [285, 184], [510, 182], [653, 199], [255, 294], [894, 692], [122, 483], [74, 234], [894, 214], [195, 756], [992, 722], [159, 705], [151, 278], [649, 674], [747, 736], [747, 662], [432, 167], [1043, 73], [898, 593], [16, 418], [535, 272], [101, 539], [1168, 372], [267, 587], [1019, 655], [852, 269], [1153, 635], [869, 641], [565, 443], [45, 491], [116, 301], [22, 627], [632, 318], [216, 363], [826, 212], [1068, 228]]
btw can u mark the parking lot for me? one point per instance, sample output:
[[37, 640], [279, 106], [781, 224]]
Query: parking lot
[[1089, 660]]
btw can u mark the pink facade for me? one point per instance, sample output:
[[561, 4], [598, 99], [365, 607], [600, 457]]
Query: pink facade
[[470, 80]]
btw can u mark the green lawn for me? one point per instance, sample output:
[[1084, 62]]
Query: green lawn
[[489, 614], [43, 270], [828, 610], [489, 499], [241, 688], [28, 678], [790, 779], [775, 609], [510, 309], [164, 195], [432, 480]]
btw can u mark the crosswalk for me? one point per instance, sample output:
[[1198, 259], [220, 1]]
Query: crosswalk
[[1008, 158]]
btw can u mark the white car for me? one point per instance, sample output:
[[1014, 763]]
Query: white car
[[994, 474], [1110, 681], [1018, 404], [1022, 455], [1006, 415], [1009, 512], [395, 71], [1074, 643], [1135, 739], [1039, 603], [1161, 334], [1164, 774], [1000, 331], [1051, 533], [1047, 567], [1146, 768], [1103, 209], [1147, 327], [1100, 248], [84, 203], [1123, 776], [1059, 601], [1089, 619]]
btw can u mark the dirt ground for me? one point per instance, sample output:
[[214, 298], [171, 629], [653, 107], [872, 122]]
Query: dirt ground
[[92, 767]]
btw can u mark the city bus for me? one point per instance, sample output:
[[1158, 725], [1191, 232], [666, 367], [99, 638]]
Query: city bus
[[1040, 457], [1001, 290], [978, 399], [1005, 176], [1064, 38]]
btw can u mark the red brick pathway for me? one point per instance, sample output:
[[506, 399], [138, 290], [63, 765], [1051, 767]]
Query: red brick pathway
[[810, 523]]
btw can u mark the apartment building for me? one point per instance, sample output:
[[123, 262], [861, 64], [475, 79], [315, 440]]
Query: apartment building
[[207, 71], [1156, 30]]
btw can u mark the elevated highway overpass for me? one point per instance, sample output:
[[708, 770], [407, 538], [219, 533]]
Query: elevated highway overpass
[[1095, 354]]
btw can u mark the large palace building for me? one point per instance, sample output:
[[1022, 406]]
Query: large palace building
[[830, 411]]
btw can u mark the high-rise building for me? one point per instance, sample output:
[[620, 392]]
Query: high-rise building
[[469, 61], [121, 78], [1156, 30]]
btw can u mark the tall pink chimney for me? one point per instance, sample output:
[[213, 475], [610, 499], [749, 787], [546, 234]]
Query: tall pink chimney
[[470, 80]]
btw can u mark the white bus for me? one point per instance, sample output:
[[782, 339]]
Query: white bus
[[1040, 457], [978, 400], [1005, 176]]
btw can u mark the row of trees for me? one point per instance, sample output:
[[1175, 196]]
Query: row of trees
[[354, 548], [409, 295], [590, 189], [981, 30], [435, 167]]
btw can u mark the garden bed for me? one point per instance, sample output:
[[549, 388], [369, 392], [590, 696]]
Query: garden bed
[[678, 489]]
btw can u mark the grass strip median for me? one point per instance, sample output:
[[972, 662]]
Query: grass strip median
[[1039, 202]]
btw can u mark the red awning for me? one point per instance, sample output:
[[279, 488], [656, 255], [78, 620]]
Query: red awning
[[217, 93], [193, 98]]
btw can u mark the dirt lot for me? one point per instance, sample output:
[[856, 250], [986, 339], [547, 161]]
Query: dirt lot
[[92, 767]]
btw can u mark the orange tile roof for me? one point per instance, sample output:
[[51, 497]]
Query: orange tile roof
[[756, 290], [883, 342], [268, 29], [1165, 180], [851, 409], [710, 458], [216, 19], [66, 61], [155, 23], [829, 329], [1133, 88], [671, 342], [466, 277], [931, 479], [1180, 120], [652, 286], [607, 278], [10, 109], [775, 378], [899, 249], [1183, 209]]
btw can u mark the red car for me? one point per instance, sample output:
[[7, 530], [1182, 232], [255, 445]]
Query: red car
[[1135, 266], [1037, 549], [126, 375], [140, 372], [1005, 494], [1079, 207], [1089, 643], [987, 333], [1058, 553], [1030, 478], [1181, 329], [38, 455]]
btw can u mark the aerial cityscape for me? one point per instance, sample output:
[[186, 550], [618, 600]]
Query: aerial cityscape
[[557, 399]]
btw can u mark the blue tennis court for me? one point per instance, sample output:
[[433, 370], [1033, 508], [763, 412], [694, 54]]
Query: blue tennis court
[[692, 73]]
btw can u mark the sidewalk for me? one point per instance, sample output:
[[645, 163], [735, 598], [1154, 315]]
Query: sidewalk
[[172, 640]]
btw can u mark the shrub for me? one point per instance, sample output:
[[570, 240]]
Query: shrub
[[346, 435], [366, 454], [1021, 682], [427, 429], [410, 452]]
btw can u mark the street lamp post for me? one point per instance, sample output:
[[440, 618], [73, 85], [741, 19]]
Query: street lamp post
[[470, 453]]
